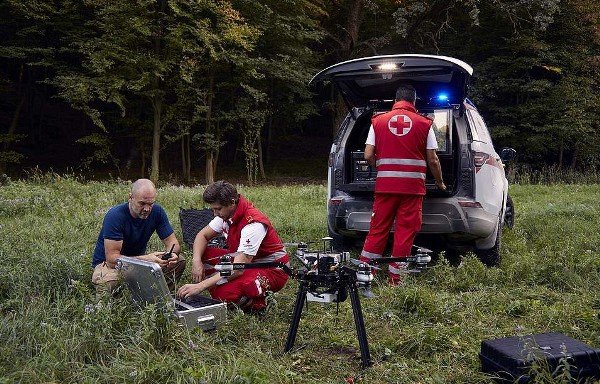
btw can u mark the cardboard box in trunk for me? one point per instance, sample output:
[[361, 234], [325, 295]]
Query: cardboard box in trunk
[[147, 284]]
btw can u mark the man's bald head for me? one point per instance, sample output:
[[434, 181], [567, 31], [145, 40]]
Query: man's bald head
[[142, 185], [141, 198]]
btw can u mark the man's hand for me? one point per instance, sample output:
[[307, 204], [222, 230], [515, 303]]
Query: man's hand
[[433, 162], [156, 257], [188, 290], [171, 261], [200, 243], [197, 271], [440, 184]]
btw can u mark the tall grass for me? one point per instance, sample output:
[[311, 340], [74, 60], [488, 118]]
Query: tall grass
[[551, 174], [428, 331]]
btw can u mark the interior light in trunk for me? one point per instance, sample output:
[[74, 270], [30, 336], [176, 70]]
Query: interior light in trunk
[[386, 66]]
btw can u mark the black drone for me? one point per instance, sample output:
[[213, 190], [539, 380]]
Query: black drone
[[328, 276]]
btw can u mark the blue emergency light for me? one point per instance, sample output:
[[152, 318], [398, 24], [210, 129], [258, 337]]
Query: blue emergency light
[[442, 97]]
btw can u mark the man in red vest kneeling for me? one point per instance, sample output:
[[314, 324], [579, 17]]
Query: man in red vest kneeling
[[400, 144], [250, 238]]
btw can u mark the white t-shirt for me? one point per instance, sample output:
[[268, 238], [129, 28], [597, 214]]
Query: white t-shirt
[[431, 141], [251, 237]]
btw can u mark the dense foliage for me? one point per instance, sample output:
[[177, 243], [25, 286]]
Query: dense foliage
[[428, 330], [117, 84]]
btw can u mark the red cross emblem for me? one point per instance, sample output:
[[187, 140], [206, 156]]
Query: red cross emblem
[[400, 125]]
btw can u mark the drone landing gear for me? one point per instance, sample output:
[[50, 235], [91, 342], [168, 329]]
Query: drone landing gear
[[361, 331]]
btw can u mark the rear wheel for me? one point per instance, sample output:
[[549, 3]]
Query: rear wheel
[[491, 257], [453, 256]]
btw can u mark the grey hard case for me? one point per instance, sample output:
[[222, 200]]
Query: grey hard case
[[147, 285]]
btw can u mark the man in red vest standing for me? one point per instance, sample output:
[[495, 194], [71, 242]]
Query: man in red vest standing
[[401, 144], [250, 238]]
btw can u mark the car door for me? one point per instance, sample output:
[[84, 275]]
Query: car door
[[437, 79]]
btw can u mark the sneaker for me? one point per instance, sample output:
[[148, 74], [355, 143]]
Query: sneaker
[[258, 304], [255, 305]]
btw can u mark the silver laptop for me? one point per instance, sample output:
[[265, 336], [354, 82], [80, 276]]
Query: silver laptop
[[147, 284]]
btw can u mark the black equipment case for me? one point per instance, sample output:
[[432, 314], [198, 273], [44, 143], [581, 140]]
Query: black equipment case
[[192, 221], [510, 359], [362, 172], [147, 285]]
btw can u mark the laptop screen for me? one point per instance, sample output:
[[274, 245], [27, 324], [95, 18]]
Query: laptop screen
[[145, 281]]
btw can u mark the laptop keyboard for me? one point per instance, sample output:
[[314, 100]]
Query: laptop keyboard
[[195, 302]]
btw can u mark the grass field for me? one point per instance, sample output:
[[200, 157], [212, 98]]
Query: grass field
[[427, 331]]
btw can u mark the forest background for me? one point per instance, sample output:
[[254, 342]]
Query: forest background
[[188, 90]]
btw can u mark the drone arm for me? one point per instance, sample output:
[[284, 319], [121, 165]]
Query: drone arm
[[421, 258], [225, 268], [217, 279]]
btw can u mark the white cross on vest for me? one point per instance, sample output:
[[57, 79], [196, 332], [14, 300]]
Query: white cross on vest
[[398, 122]]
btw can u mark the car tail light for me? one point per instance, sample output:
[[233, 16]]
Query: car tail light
[[480, 158], [469, 204], [335, 201]]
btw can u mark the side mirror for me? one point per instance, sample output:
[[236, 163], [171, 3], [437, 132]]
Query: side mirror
[[507, 154]]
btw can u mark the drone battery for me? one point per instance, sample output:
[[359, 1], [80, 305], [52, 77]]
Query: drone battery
[[147, 285], [517, 359], [362, 172], [322, 297]]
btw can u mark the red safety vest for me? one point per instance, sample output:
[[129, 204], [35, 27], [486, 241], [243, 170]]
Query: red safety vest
[[400, 150], [271, 248]]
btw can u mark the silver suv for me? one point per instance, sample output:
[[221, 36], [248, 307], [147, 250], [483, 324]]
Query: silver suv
[[470, 214]]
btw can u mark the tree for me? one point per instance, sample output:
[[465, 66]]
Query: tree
[[533, 62], [353, 28], [274, 79], [147, 49], [31, 50], [216, 78], [359, 28], [539, 89]]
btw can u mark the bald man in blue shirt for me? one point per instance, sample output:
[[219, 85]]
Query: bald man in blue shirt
[[126, 230]]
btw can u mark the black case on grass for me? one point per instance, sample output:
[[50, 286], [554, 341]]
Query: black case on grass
[[510, 359]]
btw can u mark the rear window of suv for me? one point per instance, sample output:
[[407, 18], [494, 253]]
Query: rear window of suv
[[442, 126]]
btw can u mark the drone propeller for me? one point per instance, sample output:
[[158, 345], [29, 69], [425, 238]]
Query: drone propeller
[[299, 244], [385, 260], [367, 293], [419, 249], [424, 258], [358, 263]]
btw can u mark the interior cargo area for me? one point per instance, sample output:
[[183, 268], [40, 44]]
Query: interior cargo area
[[360, 172]]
